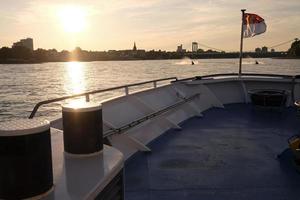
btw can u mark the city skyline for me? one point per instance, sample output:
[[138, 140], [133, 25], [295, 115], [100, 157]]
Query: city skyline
[[28, 43], [153, 24]]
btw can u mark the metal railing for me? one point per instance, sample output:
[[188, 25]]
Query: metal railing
[[149, 116], [236, 74], [293, 78], [126, 87], [87, 94]]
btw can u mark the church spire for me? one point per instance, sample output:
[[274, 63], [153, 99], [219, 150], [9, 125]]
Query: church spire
[[134, 47]]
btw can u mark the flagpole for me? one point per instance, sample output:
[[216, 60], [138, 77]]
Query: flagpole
[[241, 44]]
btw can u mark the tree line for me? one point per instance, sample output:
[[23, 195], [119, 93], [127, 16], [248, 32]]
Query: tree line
[[20, 54], [294, 51]]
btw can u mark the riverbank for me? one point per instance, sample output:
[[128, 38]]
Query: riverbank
[[183, 56], [23, 55]]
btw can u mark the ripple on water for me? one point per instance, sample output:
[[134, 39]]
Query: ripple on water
[[22, 86]]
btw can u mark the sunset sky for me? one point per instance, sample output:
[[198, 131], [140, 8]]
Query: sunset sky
[[153, 24]]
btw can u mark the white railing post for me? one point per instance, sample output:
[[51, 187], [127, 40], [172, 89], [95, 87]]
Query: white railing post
[[154, 84], [87, 98], [126, 90]]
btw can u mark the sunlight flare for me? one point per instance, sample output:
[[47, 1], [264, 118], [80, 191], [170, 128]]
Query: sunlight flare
[[73, 18]]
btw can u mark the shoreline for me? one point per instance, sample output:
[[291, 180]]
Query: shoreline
[[289, 58], [41, 62]]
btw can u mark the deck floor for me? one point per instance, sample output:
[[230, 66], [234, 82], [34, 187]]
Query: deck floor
[[229, 153]]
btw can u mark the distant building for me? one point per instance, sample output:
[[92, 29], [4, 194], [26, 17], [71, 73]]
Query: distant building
[[134, 47], [180, 49], [257, 50], [264, 49], [194, 47], [28, 43]]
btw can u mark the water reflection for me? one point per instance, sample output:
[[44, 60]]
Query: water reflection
[[75, 81]]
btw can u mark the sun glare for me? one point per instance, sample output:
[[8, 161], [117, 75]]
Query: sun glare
[[73, 19], [75, 79], [75, 82]]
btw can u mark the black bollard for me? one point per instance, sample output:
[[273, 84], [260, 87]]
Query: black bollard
[[26, 159], [82, 125]]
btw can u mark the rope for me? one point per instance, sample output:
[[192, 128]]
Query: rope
[[200, 44], [280, 44]]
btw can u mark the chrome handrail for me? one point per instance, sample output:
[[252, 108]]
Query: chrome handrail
[[150, 116], [87, 94], [282, 76], [236, 74]]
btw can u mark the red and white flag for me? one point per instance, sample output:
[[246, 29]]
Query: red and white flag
[[253, 25]]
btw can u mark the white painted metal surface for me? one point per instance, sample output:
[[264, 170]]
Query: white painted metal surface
[[81, 178], [214, 92], [23, 127], [81, 107]]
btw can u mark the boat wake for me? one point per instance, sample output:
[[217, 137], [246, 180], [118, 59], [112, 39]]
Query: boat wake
[[187, 61]]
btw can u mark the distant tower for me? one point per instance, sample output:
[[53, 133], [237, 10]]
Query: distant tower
[[179, 48], [194, 47], [134, 47]]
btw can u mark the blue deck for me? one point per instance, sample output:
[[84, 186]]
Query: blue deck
[[230, 153]]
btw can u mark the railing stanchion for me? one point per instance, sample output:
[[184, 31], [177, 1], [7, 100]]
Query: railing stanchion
[[87, 98], [154, 84], [126, 90]]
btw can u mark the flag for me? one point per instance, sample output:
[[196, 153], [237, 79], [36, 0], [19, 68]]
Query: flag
[[253, 25]]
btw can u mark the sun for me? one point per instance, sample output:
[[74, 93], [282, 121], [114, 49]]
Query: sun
[[73, 18]]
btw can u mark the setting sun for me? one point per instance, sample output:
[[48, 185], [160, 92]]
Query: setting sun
[[73, 19]]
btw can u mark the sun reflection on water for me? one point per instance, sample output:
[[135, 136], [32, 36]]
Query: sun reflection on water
[[75, 79]]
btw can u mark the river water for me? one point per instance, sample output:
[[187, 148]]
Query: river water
[[22, 86]]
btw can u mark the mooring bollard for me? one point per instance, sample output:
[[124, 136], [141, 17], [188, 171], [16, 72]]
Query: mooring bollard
[[82, 126], [26, 159]]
